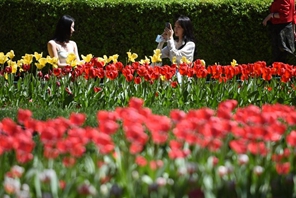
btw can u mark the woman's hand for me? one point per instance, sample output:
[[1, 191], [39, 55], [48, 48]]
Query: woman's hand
[[169, 32], [267, 18]]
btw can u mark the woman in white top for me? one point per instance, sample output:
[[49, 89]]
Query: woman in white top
[[61, 45], [183, 45]]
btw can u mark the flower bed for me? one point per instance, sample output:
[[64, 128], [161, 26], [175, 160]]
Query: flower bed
[[228, 152], [103, 82], [226, 134]]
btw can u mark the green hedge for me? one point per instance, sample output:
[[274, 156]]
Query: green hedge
[[225, 30]]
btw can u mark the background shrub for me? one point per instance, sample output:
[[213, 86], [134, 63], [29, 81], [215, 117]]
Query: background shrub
[[224, 29]]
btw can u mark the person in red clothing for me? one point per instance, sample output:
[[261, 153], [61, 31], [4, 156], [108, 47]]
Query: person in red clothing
[[282, 18]]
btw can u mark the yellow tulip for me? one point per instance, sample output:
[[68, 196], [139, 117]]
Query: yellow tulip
[[184, 60], [53, 61], [6, 76], [10, 54], [145, 61], [114, 58], [104, 59], [41, 63], [38, 56], [174, 60], [19, 63], [162, 77], [13, 66], [71, 57], [233, 63], [203, 63], [87, 58], [3, 58], [157, 52], [132, 56], [74, 63], [39, 66], [27, 59], [156, 58]]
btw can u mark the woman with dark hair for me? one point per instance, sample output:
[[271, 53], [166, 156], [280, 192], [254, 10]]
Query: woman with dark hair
[[183, 45], [60, 45]]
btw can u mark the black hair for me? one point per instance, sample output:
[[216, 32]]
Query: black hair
[[187, 26], [63, 29]]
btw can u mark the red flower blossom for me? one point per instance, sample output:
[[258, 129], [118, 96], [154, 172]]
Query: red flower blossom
[[136, 103], [9, 126], [119, 66], [23, 115], [23, 157], [137, 80], [141, 161], [26, 67], [174, 84], [135, 148], [142, 71], [77, 118], [77, 150], [106, 115], [108, 127], [291, 138], [225, 108], [62, 184], [97, 89], [50, 153], [104, 142], [282, 168], [239, 146], [111, 74], [69, 161], [177, 115], [257, 148], [178, 153], [268, 88]]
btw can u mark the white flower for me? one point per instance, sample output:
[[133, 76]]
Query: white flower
[[243, 159], [258, 170]]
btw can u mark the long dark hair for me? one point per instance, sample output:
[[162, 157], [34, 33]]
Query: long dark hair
[[187, 26], [63, 29]]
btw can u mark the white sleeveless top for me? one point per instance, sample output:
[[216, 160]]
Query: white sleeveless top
[[63, 54]]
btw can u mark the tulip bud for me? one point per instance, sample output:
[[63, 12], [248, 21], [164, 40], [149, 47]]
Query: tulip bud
[[47, 175], [104, 189], [86, 189], [243, 159], [135, 175], [258, 170], [222, 170], [17, 171], [39, 74], [11, 185], [191, 168], [213, 160], [161, 181], [46, 77]]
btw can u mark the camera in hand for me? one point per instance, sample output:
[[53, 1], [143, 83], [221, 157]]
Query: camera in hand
[[168, 25]]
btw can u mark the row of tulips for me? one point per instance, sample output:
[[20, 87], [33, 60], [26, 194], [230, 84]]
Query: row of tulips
[[132, 152], [106, 82], [98, 67]]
